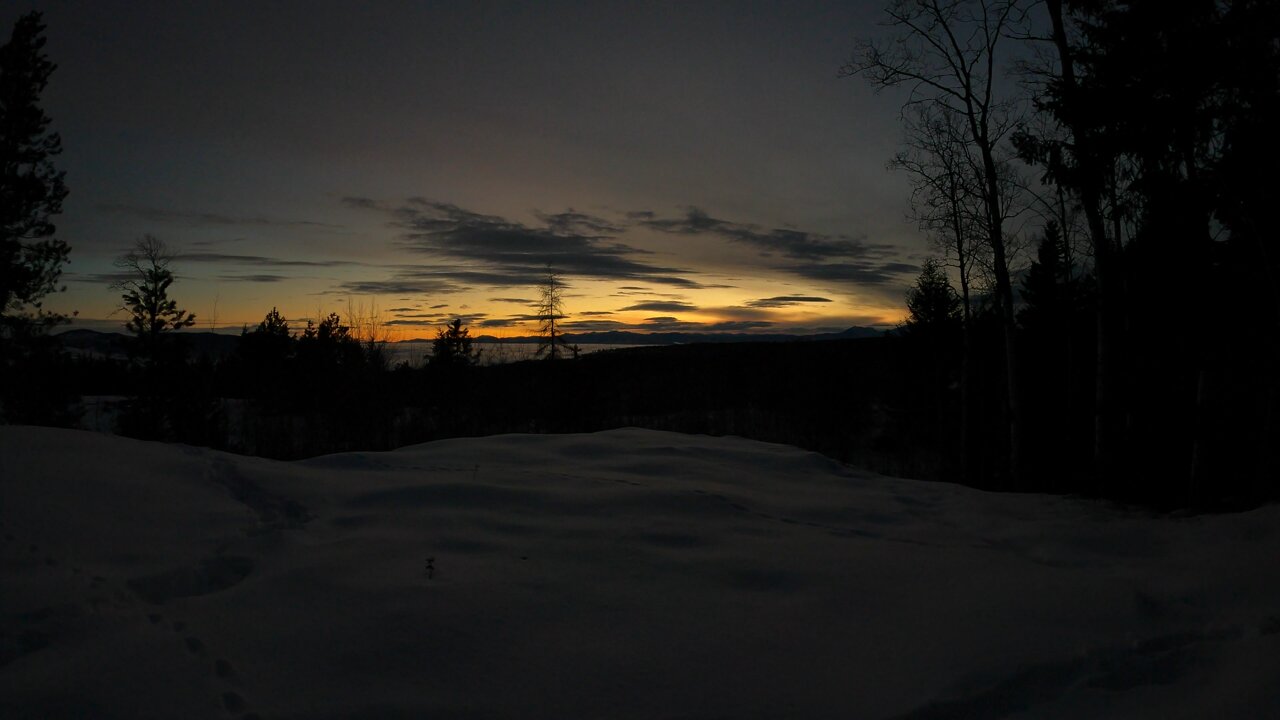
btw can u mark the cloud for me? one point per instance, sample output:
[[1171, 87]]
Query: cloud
[[469, 249], [499, 322], [661, 306], [667, 324], [434, 320], [869, 273], [572, 222], [815, 256], [107, 278], [580, 326], [479, 249], [737, 326], [411, 286], [791, 243], [785, 301], [259, 278], [361, 203], [262, 260], [625, 291], [197, 218], [414, 323], [596, 312]]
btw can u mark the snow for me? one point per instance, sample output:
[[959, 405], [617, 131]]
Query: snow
[[621, 574]]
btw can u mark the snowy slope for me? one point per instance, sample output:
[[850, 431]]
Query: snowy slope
[[622, 574]]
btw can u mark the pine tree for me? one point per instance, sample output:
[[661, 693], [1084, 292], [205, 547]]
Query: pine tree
[[269, 345], [325, 346], [31, 189], [153, 314]]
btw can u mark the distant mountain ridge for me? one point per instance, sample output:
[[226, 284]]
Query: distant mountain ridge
[[117, 344], [220, 344], [623, 337]]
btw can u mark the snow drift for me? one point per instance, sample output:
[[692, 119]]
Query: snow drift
[[620, 574]]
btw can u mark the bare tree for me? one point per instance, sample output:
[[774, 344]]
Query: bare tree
[[946, 202], [550, 310], [369, 328], [946, 52], [945, 195]]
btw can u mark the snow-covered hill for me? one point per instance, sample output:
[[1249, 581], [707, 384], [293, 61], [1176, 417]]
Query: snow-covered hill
[[622, 574]]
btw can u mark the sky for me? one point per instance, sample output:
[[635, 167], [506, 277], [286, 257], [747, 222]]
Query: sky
[[684, 166]]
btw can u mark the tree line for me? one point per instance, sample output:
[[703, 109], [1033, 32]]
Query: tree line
[[1136, 355]]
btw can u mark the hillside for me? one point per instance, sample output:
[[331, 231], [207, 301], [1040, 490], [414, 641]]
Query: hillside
[[627, 573]]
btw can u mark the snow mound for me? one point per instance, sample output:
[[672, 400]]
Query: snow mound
[[621, 574]]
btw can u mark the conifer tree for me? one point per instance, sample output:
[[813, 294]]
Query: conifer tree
[[31, 189], [453, 347], [934, 307], [153, 314], [550, 310], [1046, 289]]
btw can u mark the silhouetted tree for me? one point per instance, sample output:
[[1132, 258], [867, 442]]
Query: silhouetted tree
[[31, 189], [1046, 288], [265, 354], [326, 347], [330, 329], [550, 310], [1055, 302], [269, 344], [453, 347], [946, 52], [1167, 125], [946, 202], [31, 259], [152, 313], [945, 199], [934, 307], [160, 404], [932, 331], [273, 325]]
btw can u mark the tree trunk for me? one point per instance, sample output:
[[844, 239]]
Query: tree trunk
[[1090, 188], [1004, 293], [966, 339]]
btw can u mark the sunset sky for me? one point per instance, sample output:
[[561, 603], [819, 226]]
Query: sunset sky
[[685, 166]]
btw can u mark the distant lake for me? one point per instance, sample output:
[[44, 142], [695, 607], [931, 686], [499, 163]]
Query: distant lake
[[414, 352]]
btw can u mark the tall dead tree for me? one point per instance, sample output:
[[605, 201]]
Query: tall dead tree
[[946, 52]]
